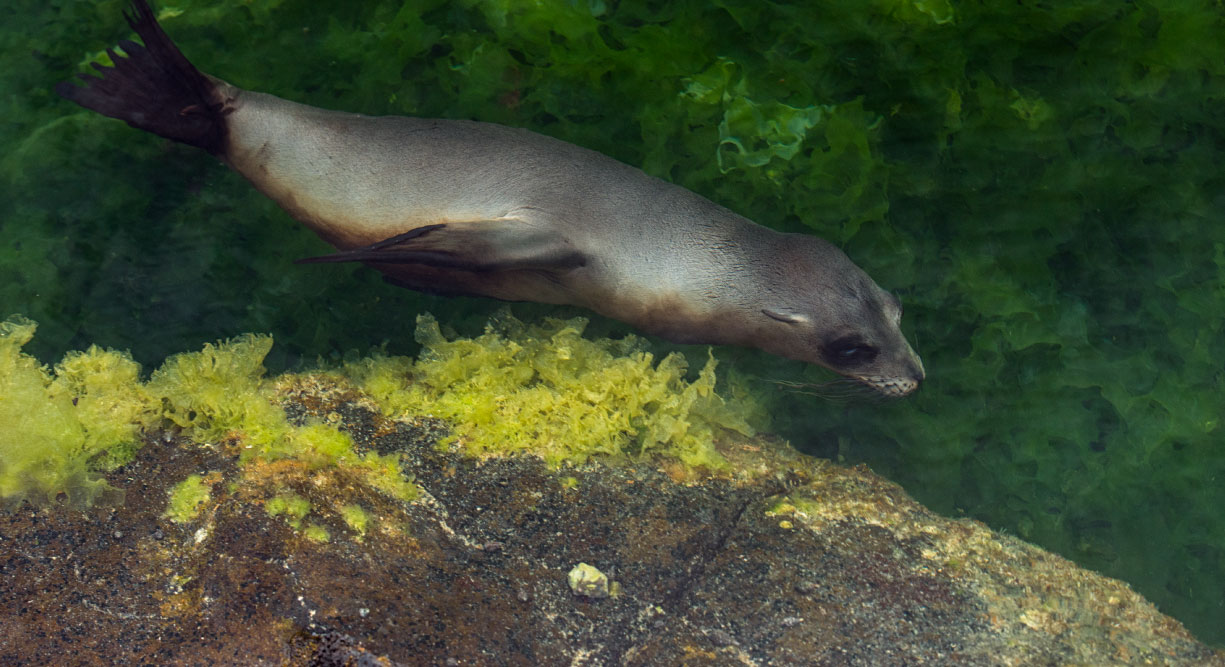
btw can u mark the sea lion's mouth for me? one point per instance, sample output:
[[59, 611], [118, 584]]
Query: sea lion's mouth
[[892, 387], [850, 387]]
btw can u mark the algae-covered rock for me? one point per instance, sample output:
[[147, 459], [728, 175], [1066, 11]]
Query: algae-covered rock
[[345, 532]]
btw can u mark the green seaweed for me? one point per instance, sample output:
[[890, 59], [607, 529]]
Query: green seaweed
[[316, 533], [221, 393], [58, 430], [356, 518], [543, 389], [290, 505], [218, 390], [187, 498], [549, 391]]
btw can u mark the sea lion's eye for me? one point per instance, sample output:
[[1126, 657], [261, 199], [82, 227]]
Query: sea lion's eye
[[850, 352]]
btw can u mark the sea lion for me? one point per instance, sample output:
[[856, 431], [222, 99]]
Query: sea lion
[[464, 207]]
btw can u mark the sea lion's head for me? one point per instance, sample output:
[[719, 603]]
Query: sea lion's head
[[825, 310]]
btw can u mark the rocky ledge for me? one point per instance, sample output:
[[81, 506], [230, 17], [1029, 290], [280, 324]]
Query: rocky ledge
[[778, 559]]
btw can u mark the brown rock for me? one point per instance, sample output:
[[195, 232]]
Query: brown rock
[[791, 561]]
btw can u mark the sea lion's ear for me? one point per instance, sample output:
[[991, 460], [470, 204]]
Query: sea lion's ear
[[785, 315]]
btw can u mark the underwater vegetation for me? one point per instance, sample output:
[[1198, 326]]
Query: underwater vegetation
[[547, 390], [540, 389], [187, 497], [57, 430], [1039, 182], [60, 427]]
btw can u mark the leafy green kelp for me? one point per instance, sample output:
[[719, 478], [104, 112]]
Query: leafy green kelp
[[1039, 181]]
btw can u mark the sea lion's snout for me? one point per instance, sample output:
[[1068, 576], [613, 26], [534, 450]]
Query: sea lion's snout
[[897, 385], [880, 359], [897, 369], [845, 322]]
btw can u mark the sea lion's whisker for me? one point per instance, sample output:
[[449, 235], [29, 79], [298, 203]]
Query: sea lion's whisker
[[838, 389]]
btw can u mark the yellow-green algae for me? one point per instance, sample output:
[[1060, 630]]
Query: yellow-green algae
[[291, 505], [221, 393], [316, 533], [546, 390], [187, 498], [57, 430], [219, 390], [295, 508], [356, 518], [541, 389]]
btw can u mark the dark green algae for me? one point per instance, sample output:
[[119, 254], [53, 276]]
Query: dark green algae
[[1038, 182]]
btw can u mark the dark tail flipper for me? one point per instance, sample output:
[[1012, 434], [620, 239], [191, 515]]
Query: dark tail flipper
[[155, 88]]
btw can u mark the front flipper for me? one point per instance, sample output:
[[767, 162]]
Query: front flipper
[[487, 245]]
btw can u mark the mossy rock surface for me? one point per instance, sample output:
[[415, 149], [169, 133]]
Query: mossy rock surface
[[775, 558]]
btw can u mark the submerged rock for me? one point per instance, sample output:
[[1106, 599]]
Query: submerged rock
[[773, 559]]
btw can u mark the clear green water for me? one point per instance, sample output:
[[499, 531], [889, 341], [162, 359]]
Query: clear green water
[[1040, 182]]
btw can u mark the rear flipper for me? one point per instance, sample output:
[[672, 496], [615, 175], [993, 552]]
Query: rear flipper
[[155, 88], [487, 245]]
